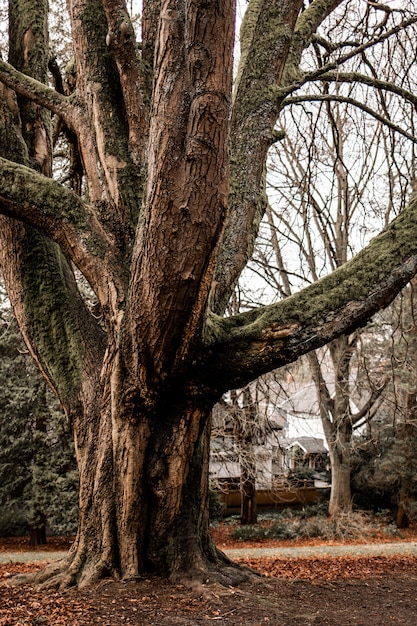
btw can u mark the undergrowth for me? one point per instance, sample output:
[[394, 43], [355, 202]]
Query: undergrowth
[[299, 524]]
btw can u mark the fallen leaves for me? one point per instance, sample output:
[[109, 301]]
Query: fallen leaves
[[334, 568], [376, 590]]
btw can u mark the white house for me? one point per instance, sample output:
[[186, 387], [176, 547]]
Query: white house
[[284, 435]]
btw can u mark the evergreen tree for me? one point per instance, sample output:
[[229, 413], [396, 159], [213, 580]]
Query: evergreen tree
[[38, 475]]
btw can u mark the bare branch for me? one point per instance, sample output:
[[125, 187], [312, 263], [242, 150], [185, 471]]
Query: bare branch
[[370, 81], [367, 407], [358, 49], [121, 39], [354, 102]]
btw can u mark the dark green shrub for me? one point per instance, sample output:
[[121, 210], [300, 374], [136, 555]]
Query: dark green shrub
[[13, 524], [38, 472]]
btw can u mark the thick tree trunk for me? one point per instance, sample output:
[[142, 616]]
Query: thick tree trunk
[[151, 255], [143, 495]]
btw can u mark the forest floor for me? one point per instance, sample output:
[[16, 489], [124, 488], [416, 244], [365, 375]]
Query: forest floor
[[318, 589]]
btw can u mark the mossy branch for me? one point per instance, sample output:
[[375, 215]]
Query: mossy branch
[[266, 40], [36, 91], [41, 201], [59, 213], [252, 343], [305, 29]]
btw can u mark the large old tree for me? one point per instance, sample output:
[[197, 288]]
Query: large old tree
[[120, 271]]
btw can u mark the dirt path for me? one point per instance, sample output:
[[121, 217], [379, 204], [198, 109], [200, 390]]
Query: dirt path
[[372, 584], [323, 550], [343, 591], [295, 552]]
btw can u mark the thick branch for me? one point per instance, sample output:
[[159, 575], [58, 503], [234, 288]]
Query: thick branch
[[326, 403], [266, 41], [121, 39], [36, 91], [63, 337], [187, 182], [250, 344], [43, 203], [305, 28], [106, 152], [73, 116]]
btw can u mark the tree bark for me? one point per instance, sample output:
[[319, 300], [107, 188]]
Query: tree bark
[[337, 420], [145, 487]]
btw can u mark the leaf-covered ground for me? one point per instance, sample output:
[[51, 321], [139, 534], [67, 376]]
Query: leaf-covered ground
[[321, 591]]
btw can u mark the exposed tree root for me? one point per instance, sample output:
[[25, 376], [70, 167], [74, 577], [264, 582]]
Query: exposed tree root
[[218, 571], [61, 576], [78, 570], [200, 582], [74, 570]]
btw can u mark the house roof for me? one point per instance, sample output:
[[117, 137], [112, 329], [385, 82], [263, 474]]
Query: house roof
[[310, 445]]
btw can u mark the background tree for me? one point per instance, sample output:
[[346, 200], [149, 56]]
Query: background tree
[[386, 472], [38, 473], [161, 226], [240, 427]]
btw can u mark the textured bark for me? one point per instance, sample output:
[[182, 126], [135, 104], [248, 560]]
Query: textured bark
[[145, 488]]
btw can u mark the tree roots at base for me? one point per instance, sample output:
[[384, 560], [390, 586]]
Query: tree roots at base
[[73, 571]]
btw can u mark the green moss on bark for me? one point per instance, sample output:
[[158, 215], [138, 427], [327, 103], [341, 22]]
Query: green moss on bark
[[28, 29], [21, 185], [51, 314], [354, 282], [29, 53], [11, 139]]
